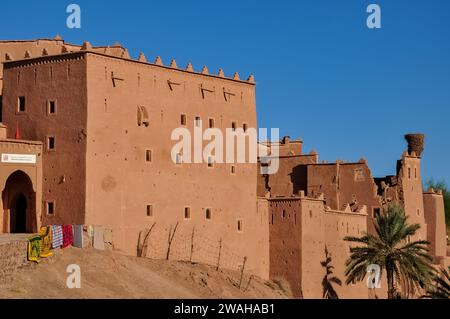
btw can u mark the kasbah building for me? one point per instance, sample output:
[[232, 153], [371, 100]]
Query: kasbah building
[[86, 139]]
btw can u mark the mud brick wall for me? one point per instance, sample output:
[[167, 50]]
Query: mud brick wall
[[13, 256]]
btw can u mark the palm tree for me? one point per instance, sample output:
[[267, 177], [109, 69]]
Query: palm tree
[[328, 279], [440, 289], [406, 263]]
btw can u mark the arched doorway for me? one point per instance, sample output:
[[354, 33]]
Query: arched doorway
[[18, 202]]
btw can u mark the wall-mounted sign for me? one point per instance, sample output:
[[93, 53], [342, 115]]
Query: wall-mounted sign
[[19, 158]]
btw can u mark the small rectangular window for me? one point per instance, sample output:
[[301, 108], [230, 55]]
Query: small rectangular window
[[50, 208], [183, 119], [149, 210], [244, 127], [233, 126], [211, 123], [208, 213], [233, 169], [51, 143], [187, 213], [198, 121], [409, 173], [148, 155], [51, 107], [240, 226], [21, 104]]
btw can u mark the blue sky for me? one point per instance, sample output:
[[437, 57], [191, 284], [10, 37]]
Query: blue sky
[[321, 74]]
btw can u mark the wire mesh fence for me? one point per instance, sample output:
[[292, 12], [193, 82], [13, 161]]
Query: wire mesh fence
[[191, 246]]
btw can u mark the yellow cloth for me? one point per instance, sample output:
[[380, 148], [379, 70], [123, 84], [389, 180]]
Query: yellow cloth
[[46, 242], [34, 248]]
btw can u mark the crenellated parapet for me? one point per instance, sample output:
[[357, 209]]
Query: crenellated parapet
[[19, 50]]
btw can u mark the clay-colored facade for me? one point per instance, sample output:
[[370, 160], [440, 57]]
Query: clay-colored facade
[[109, 165], [102, 123]]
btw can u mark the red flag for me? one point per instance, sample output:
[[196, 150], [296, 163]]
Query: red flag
[[17, 131]]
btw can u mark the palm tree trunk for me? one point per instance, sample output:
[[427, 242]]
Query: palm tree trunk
[[390, 280]]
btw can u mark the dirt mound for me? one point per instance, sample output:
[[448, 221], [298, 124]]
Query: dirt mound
[[106, 274]]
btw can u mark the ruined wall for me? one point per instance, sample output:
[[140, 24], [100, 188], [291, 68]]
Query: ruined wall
[[61, 80], [122, 183], [343, 183], [356, 185], [323, 179], [290, 177], [287, 147], [262, 183]]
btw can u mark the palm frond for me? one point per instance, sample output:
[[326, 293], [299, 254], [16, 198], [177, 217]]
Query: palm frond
[[440, 289]]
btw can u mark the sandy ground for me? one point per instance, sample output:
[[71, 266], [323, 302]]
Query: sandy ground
[[106, 274]]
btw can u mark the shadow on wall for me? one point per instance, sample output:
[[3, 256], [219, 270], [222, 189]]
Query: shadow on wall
[[329, 280], [299, 178]]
